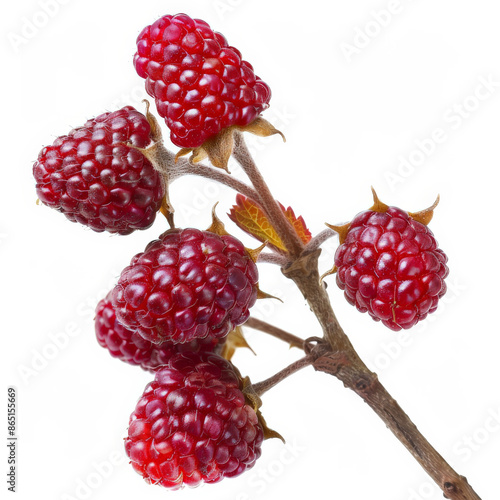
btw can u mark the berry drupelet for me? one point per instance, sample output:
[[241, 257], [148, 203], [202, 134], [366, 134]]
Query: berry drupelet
[[389, 265], [188, 284], [133, 349], [193, 425], [93, 177], [200, 84]]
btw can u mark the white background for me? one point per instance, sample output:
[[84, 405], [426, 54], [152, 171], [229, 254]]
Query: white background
[[352, 106]]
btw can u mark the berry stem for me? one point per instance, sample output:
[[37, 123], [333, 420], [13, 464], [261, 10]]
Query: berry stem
[[164, 162], [261, 387], [262, 326], [334, 354], [320, 238], [184, 167], [339, 358], [270, 206], [304, 272], [272, 258]]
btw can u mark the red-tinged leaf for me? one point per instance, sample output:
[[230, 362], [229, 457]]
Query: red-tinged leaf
[[298, 224], [250, 217], [247, 215]]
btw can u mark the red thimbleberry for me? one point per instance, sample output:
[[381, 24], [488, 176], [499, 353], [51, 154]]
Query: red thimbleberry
[[188, 284], [133, 349], [192, 424], [200, 84], [389, 265], [94, 178]]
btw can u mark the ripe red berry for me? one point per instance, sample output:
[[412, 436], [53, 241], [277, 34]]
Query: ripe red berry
[[192, 424], [133, 349], [200, 84], [390, 266], [187, 285], [93, 177]]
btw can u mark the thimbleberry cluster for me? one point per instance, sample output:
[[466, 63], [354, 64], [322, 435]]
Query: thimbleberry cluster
[[94, 177], [391, 267], [187, 285], [192, 424], [200, 84], [174, 307], [177, 301]]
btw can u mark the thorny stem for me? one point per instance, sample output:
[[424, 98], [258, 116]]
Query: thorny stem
[[164, 162], [335, 355], [367, 385], [342, 361], [258, 324], [282, 226], [261, 387], [304, 271]]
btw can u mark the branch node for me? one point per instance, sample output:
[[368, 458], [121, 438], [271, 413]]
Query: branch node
[[305, 265], [332, 362]]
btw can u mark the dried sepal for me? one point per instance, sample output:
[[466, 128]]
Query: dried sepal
[[218, 149], [157, 155], [155, 133], [155, 151], [262, 128], [217, 225], [268, 432], [218, 228], [333, 270], [378, 206], [198, 154], [425, 216], [264, 295], [235, 340], [167, 210], [255, 252], [341, 230], [254, 400]]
